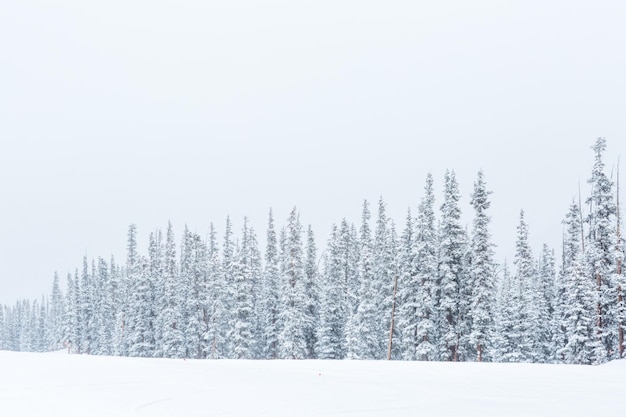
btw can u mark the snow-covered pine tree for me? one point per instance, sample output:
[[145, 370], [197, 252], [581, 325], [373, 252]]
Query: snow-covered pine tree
[[193, 270], [3, 340], [9, 329], [269, 294], [86, 298], [482, 274], [333, 303], [546, 281], [33, 324], [139, 334], [120, 305], [25, 323], [125, 283], [452, 274], [184, 283], [22, 324], [57, 312], [426, 267], [505, 317], [292, 315], [394, 338], [255, 269], [29, 319], [97, 299], [312, 295], [228, 271], [76, 316], [362, 327], [408, 290], [525, 331], [382, 280], [620, 277], [350, 248], [41, 313], [69, 319], [600, 255], [217, 329], [3, 329], [243, 326], [104, 309], [579, 297], [170, 316], [138, 330], [157, 286], [559, 338]]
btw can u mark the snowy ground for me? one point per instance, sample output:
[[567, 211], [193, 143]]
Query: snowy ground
[[57, 384]]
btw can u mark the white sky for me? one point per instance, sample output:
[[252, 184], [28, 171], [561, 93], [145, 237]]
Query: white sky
[[123, 111]]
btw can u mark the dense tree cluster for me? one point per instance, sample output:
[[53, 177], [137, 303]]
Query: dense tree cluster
[[431, 291]]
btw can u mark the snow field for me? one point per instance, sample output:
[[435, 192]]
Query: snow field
[[57, 384]]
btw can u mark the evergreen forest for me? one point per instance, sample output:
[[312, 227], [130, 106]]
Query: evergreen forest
[[427, 288]]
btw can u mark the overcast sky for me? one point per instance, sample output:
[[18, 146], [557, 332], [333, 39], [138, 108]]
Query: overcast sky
[[118, 112]]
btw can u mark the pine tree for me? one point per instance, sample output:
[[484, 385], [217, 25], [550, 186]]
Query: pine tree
[[170, 316], [138, 319], [76, 324], [409, 288], [125, 282], [311, 295], [382, 280], [255, 270], [578, 303], [482, 273], [505, 318], [139, 336], [362, 327], [228, 271], [350, 248], [243, 304], [120, 297], [41, 337], [57, 312], [394, 338], [292, 316], [426, 267], [525, 301], [69, 319], [217, 329], [270, 298], [4, 345], [451, 273], [333, 303], [546, 281], [104, 309], [157, 285], [86, 296], [620, 277], [600, 255], [193, 271], [559, 338]]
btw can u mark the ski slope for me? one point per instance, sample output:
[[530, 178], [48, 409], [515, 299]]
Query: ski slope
[[57, 384]]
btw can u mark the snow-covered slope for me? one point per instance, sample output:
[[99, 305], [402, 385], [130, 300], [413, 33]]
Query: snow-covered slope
[[57, 384]]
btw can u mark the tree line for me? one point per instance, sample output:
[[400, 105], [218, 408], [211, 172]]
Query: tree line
[[429, 290]]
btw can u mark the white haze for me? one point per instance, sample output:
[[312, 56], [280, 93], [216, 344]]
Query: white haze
[[116, 112]]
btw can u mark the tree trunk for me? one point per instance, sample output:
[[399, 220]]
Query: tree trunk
[[620, 300], [393, 314]]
